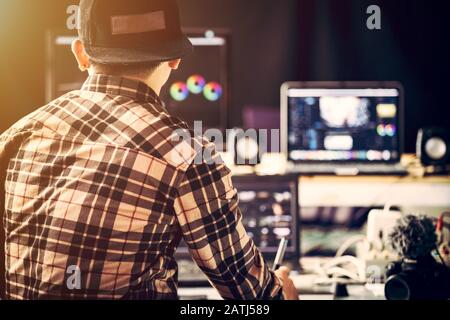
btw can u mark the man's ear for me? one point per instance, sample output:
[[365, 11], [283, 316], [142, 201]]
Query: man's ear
[[80, 54], [174, 64]]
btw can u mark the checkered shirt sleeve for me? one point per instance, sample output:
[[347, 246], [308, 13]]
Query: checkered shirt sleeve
[[211, 222]]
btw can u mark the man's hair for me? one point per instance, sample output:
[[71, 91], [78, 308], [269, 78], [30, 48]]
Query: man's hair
[[142, 70]]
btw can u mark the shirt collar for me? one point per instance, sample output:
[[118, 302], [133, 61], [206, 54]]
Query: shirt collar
[[120, 86]]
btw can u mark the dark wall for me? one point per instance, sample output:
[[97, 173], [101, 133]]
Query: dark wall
[[264, 51], [412, 47], [273, 41]]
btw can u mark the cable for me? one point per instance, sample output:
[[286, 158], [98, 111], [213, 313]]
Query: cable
[[348, 244], [339, 266], [336, 271], [333, 269]]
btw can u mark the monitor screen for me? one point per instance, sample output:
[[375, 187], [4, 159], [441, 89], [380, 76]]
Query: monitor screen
[[197, 91], [269, 213], [360, 125], [267, 217]]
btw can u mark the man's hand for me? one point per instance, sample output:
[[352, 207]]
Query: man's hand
[[289, 290]]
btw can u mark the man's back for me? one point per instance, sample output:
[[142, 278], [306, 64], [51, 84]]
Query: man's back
[[99, 195]]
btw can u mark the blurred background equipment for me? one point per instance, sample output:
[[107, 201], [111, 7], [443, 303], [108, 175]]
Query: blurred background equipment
[[248, 150], [261, 140], [433, 148], [376, 250], [343, 128], [418, 275], [272, 164]]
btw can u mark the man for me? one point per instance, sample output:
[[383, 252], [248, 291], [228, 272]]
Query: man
[[98, 189]]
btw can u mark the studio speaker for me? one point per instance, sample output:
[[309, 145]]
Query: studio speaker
[[433, 147], [247, 147], [247, 151]]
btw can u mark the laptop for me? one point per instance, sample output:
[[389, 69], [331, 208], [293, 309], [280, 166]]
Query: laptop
[[343, 128]]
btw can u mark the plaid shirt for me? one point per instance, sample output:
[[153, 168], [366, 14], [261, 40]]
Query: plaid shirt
[[99, 193]]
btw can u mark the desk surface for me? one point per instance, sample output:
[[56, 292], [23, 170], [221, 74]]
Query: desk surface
[[303, 284], [378, 179], [410, 193]]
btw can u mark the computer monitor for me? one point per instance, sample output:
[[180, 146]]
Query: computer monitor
[[197, 91], [342, 122], [270, 211]]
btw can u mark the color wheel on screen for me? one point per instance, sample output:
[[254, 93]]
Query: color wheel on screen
[[179, 91], [196, 83], [213, 91]]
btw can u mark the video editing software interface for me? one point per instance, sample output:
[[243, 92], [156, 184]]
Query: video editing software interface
[[360, 125], [197, 91], [269, 213]]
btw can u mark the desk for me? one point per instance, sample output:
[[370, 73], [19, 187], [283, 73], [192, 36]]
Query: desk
[[302, 283], [430, 195]]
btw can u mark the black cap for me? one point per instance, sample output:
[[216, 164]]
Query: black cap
[[132, 31]]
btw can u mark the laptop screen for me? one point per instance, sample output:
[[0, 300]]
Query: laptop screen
[[347, 125]]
